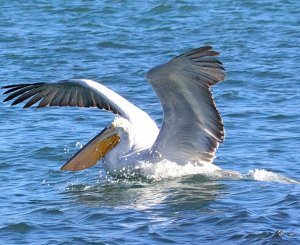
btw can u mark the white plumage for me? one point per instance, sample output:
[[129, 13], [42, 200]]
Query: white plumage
[[192, 126]]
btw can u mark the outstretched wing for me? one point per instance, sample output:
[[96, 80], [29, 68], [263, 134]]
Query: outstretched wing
[[73, 92], [192, 126]]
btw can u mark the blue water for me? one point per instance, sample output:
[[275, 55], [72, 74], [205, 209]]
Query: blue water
[[116, 43]]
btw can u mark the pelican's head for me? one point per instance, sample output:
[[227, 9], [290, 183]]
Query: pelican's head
[[114, 145], [97, 148]]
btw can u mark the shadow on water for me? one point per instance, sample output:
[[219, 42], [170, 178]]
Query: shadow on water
[[192, 192]]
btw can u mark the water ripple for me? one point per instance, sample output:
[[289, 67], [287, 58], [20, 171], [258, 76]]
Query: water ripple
[[116, 44]]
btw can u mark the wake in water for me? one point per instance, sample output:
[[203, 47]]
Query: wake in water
[[264, 175], [168, 170]]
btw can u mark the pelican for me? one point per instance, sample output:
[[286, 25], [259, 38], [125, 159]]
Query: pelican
[[192, 127]]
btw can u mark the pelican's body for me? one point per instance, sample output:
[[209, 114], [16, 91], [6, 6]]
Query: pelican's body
[[192, 127], [134, 147]]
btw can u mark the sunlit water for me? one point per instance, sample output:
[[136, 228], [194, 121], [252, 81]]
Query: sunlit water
[[254, 201]]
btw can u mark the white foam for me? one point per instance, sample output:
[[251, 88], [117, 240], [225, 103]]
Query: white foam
[[264, 175], [167, 169]]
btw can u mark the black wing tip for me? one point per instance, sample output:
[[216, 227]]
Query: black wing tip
[[20, 85], [15, 103], [201, 49], [13, 88], [202, 54], [10, 86], [205, 58], [206, 50], [7, 99]]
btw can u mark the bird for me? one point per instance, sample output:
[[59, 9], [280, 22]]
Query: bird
[[192, 128]]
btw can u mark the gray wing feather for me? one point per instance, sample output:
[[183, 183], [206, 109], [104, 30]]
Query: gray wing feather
[[192, 126]]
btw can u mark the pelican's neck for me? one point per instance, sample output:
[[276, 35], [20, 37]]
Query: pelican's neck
[[134, 137]]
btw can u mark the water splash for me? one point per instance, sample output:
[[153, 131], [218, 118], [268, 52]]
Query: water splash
[[268, 176], [169, 170]]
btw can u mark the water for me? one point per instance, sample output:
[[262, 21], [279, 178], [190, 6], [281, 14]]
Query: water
[[116, 43]]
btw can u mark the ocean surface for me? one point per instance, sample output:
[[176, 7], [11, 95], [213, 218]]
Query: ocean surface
[[115, 43]]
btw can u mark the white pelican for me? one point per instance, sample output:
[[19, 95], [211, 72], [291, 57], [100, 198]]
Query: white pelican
[[192, 127]]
